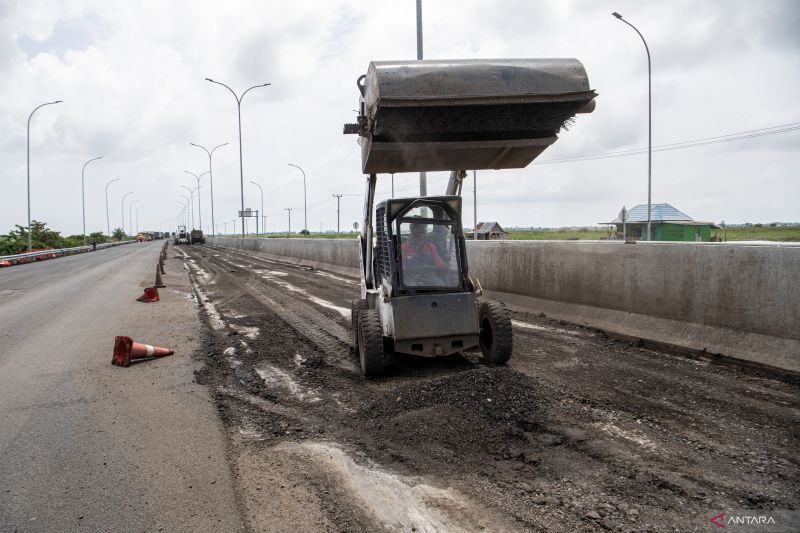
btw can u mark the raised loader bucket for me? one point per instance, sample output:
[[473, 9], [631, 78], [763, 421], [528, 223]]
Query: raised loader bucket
[[465, 114]]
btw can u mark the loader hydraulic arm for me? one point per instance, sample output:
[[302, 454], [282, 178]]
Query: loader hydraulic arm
[[456, 180]]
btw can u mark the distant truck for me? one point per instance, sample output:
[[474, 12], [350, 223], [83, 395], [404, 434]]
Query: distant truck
[[181, 236], [197, 237]]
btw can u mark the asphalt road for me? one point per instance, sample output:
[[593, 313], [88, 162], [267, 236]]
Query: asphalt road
[[89, 446]]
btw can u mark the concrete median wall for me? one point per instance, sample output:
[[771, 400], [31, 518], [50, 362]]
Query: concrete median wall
[[740, 301]]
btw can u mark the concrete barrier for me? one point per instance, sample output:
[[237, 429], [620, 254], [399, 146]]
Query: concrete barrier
[[734, 300], [42, 255]]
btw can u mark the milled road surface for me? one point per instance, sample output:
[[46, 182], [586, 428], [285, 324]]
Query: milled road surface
[[578, 433], [87, 446]]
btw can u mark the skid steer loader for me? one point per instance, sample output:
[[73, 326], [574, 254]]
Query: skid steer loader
[[416, 294]]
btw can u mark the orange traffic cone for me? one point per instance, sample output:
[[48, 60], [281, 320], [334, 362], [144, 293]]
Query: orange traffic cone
[[150, 295], [125, 351], [159, 282], [161, 266]]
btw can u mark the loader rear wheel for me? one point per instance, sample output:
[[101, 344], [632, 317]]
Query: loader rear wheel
[[370, 343], [356, 306], [496, 337]]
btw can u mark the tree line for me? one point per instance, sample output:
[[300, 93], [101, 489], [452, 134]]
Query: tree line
[[44, 238]]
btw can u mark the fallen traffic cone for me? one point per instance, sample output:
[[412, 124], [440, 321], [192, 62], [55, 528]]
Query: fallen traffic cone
[[159, 282], [125, 351], [150, 295]]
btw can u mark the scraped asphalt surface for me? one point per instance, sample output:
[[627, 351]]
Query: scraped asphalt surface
[[579, 432]]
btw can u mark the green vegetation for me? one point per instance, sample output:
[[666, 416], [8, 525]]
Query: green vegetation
[[760, 232], [42, 238]]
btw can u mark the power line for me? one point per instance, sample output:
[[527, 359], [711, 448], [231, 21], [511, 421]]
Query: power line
[[783, 128]]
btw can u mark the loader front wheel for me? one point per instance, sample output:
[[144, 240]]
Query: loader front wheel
[[370, 343], [496, 337], [356, 306]]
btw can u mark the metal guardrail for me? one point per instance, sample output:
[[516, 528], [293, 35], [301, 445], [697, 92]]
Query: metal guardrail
[[28, 257]]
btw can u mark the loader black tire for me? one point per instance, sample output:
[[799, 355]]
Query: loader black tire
[[496, 336], [356, 306], [370, 343]]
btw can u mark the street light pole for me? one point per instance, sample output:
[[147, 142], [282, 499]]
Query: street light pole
[[123, 210], [263, 216], [191, 201], [108, 221], [199, 212], [649, 124], [239, 111], [474, 205], [30, 240], [423, 176], [83, 197], [211, 179], [137, 218], [305, 198], [289, 209], [338, 201], [130, 214]]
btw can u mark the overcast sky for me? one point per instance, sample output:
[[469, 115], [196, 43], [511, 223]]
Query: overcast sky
[[131, 75]]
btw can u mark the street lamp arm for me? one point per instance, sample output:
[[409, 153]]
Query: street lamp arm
[[89, 161], [646, 48], [238, 100], [251, 88], [39, 106], [217, 146], [203, 147]]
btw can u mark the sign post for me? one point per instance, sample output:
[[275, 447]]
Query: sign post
[[249, 213]]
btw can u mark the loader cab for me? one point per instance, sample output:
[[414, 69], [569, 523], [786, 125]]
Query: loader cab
[[420, 246]]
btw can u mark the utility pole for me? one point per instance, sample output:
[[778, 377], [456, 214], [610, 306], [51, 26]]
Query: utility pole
[[475, 205], [289, 209], [338, 201], [423, 177]]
